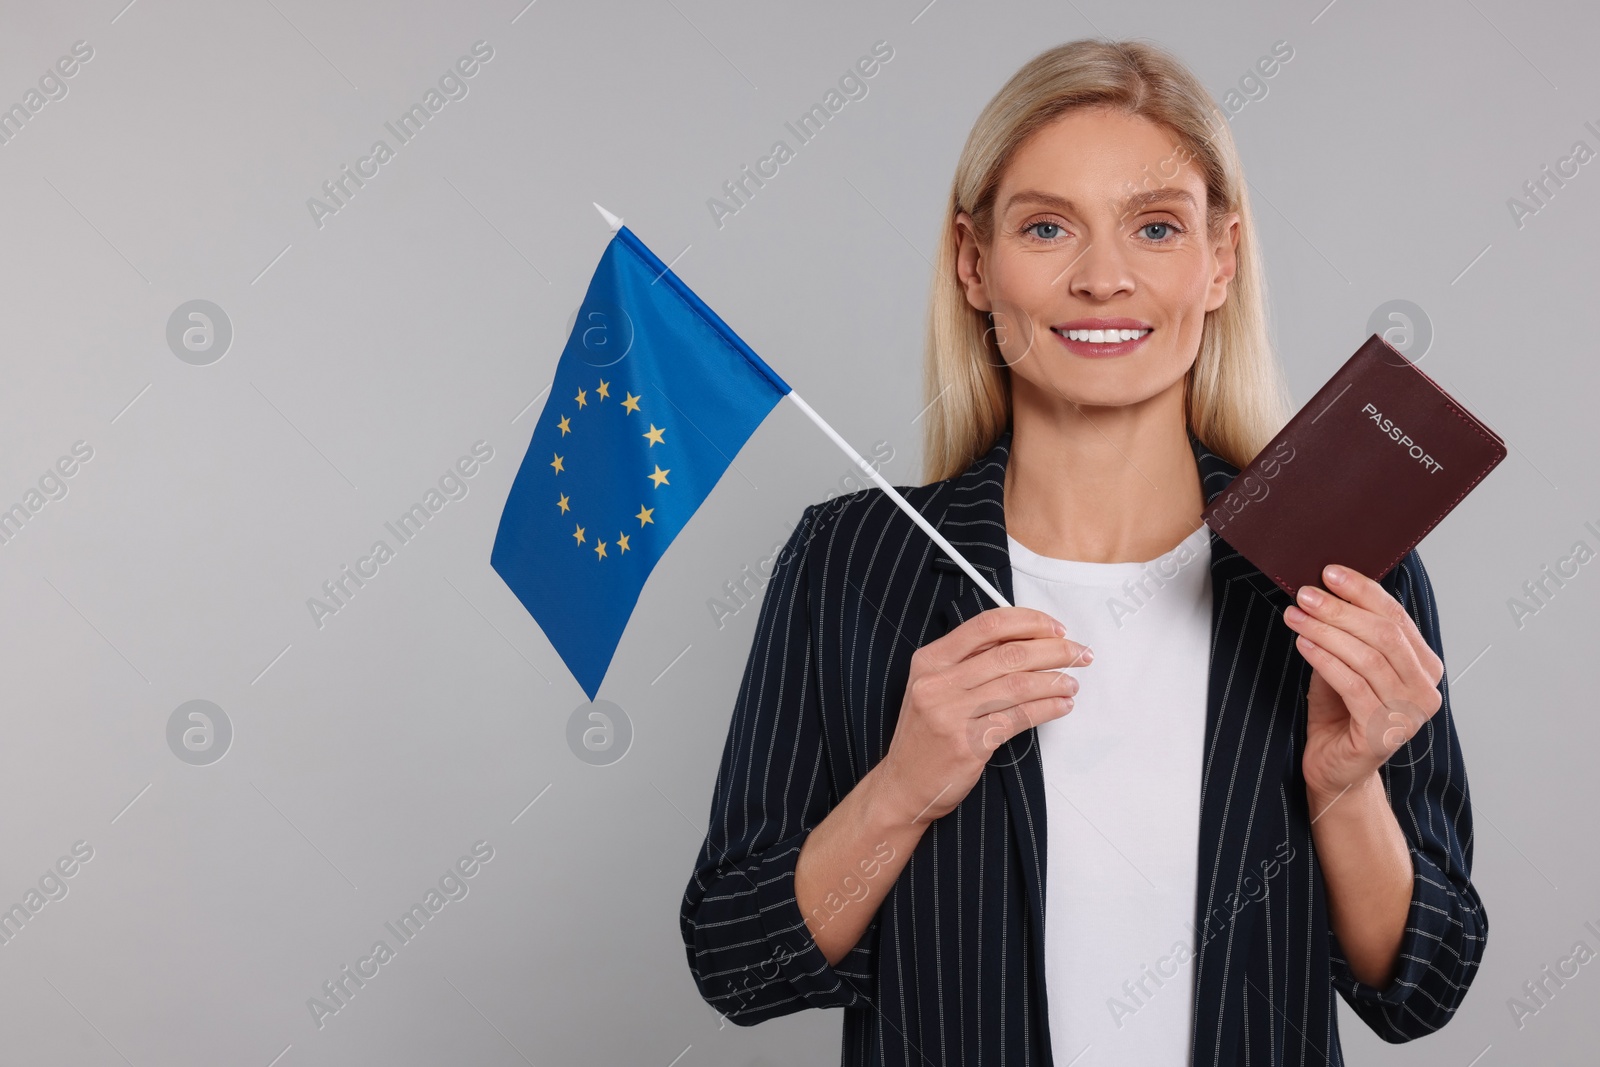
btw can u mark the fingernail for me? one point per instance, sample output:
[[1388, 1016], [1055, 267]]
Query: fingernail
[[1088, 655], [1310, 596], [1061, 631], [1335, 574]]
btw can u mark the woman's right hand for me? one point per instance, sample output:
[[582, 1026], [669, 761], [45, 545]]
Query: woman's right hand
[[968, 693]]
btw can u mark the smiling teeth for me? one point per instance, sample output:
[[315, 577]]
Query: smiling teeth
[[1104, 337]]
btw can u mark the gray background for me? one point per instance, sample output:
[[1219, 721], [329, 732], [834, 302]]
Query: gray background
[[370, 353]]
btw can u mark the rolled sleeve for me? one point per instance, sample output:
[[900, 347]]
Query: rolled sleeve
[[1447, 926], [801, 963], [749, 949]]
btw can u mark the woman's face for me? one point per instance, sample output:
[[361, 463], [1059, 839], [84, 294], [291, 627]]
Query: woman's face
[[1072, 252]]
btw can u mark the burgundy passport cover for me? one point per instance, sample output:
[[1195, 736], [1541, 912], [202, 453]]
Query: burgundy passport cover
[[1358, 476]]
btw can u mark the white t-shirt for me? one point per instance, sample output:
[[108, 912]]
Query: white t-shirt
[[1122, 784]]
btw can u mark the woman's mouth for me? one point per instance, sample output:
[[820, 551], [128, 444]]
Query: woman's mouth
[[1100, 341]]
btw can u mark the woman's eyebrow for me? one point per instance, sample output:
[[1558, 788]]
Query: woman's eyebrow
[[1133, 203]]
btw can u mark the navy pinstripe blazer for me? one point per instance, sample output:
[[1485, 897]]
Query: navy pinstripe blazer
[[951, 969]]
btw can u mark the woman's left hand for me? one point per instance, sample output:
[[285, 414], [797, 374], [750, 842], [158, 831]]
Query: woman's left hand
[[1375, 680]]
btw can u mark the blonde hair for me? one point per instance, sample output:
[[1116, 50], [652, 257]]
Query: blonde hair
[[1235, 396]]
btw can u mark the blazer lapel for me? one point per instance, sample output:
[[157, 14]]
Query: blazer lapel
[[1250, 728], [974, 523], [1254, 716]]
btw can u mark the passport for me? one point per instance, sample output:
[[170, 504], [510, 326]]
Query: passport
[[1358, 476]]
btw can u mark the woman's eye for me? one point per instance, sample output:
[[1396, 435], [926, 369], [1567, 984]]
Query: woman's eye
[[1034, 228], [1171, 227]]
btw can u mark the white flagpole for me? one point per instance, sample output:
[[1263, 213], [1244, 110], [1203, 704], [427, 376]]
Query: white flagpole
[[871, 472], [905, 505]]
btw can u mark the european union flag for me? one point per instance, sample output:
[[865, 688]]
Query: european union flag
[[653, 397]]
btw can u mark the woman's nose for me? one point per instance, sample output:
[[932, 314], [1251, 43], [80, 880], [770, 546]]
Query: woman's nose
[[1100, 272]]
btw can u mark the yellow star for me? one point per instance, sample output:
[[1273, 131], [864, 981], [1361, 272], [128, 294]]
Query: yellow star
[[604, 385], [659, 476], [600, 550], [581, 398], [566, 426], [557, 464], [579, 535], [622, 542], [644, 514], [654, 435], [631, 402], [562, 504]]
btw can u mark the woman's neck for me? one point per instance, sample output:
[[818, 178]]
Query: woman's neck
[[1101, 484]]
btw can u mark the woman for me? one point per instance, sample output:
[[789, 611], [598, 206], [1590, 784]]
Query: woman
[[1258, 800]]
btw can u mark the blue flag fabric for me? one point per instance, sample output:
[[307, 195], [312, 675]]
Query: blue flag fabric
[[653, 397]]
